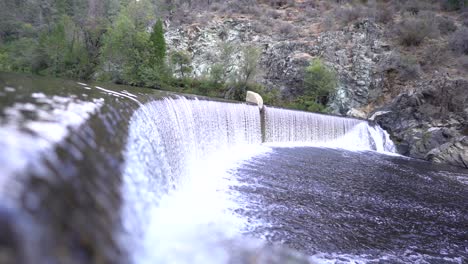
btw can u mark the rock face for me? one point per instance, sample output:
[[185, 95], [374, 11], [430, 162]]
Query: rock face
[[427, 119], [354, 53], [432, 122]]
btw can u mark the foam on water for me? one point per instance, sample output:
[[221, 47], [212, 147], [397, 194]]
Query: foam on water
[[178, 204], [181, 155], [289, 128]]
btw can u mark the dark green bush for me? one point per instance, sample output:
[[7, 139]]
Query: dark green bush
[[319, 82]]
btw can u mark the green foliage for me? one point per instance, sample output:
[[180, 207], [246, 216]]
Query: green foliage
[[62, 51], [249, 64], [247, 71], [270, 96], [126, 53], [158, 43], [319, 83], [306, 103], [4, 63], [222, 70], [181, 63]]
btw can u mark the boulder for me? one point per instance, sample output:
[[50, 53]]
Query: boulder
[[254, 98], [430, 122]]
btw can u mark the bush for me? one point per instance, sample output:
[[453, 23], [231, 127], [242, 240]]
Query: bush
[[348, 14], [407, 67], [270, 96], [413, 31], [464, 62], [446, 25], [306, 103], [384, 14], [414, 7], [319, 82], [459, 41], [287, 29], [453, 5], [464, 19], [434, 55], [273, 14]]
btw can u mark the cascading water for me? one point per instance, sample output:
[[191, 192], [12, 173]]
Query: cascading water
[[302, 128], [89, 171], [177, 188], [175, 184]]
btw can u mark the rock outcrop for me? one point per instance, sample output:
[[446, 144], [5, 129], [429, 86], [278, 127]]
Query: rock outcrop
[[432, 122], [426, 117], [354, 53]]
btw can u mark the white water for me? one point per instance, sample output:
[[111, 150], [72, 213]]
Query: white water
[[296, 128], [178, 204]]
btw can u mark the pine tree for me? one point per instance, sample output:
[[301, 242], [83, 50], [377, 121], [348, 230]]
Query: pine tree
[[159, 45]]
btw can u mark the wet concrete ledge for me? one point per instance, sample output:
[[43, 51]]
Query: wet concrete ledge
[[67, 195]]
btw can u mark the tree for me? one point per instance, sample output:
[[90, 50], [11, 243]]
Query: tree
[[158, 43], [247, 71], [249, 64], [181, 63], [221, 70], [319, 82]]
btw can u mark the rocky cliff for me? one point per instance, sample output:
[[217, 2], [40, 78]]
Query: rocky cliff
[[419, 98]]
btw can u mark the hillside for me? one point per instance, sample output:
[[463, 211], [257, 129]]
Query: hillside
[[402, 63]]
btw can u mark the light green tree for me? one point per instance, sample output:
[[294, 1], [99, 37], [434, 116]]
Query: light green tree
[[181, 63], [319, 83]]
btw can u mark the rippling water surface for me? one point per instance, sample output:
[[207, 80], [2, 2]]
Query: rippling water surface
[[340, 206]]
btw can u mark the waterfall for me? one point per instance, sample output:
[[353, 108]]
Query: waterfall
[[303, 128], [178, 200], [177, 157]]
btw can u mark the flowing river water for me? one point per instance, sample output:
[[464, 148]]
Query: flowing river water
[[112, 174]]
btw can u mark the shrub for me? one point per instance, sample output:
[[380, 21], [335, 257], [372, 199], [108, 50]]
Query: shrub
[[446, 25], [270, 96], [434, 55], [414, 7], [281, 3], [288, 30], [348, 14], [459, 41], [407, 67], [384, 14], [464, 19], [452, 5], [413, 31], [464, 62], [319, 82], [306, 103], [259, 27], [273, 14]]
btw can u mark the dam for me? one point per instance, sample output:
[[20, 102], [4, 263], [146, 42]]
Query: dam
[[93, 173]]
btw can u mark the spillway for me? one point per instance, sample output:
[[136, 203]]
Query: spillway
[[180, 155], [94, 173], [303, 128]]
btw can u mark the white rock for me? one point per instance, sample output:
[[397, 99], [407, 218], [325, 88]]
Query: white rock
[[356, 113], [254, 98]]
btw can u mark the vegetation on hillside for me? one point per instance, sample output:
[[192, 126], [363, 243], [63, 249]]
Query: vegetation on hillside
[[122, 41]]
